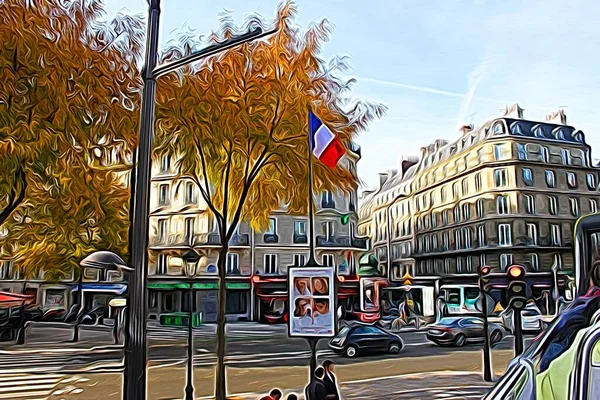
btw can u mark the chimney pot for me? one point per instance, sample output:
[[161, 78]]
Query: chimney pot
[[557, 117], [513, 111]]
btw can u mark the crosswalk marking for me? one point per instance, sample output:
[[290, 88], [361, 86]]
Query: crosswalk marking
[[32, 387]]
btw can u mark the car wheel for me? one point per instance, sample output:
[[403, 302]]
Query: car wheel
[[351, 351], [395, 348], [495, 337], [460, 340]]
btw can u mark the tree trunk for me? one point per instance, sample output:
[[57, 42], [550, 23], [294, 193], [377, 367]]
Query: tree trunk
[[80, 311], [220, 382], [22, 322]]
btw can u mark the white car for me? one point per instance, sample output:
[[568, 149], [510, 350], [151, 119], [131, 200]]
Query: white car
[[531, 320]]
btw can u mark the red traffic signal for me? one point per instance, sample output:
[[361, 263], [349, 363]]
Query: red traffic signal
[[485, 270], [516, 272]]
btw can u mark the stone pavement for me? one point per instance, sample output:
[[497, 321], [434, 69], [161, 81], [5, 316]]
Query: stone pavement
[[403, 378]]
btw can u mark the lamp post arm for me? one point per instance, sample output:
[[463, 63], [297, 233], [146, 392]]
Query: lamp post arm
[[256, 33]]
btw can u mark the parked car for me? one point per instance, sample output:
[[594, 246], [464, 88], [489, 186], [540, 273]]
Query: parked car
[[532, 320], [458, 331], [365, 339]]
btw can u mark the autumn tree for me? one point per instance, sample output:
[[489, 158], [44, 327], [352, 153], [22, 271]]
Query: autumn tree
[[68, 93], [238, 126]]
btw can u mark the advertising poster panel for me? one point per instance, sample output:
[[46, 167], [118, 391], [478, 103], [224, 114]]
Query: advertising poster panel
[[369, 295], [312, 302]]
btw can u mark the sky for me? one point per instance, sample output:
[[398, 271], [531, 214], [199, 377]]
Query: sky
[[437, 65]]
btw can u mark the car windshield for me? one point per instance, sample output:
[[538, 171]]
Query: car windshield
[[530, 313], [343, 332]]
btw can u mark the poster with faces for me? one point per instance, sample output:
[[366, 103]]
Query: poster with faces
[[311, 302]]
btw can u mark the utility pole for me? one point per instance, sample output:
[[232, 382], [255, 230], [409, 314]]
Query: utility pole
[[517, 300], [134, 381], [484, 279]]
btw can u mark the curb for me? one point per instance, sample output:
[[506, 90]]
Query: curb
[[59, 350]]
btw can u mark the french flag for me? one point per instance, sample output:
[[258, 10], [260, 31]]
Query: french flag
[[324, 144]]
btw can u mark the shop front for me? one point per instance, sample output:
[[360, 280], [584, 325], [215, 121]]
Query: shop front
[[271, 299], [170, 298], [96, 296]]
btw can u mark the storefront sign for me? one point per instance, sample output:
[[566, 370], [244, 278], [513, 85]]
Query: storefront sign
[[312, 302]]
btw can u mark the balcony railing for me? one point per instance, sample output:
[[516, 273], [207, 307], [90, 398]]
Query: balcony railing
[[360, 243], [270, 238], [327, 204], [333, 241], [300, 239], [238, 239]]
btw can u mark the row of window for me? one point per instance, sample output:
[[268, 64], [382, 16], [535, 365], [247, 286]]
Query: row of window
[[466, 264], [524, 152], [502, 208], [271, 263], [463, 238], [327, 228], [426, 200], [551, 179]]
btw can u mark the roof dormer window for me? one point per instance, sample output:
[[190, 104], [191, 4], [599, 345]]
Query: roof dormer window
[[538, 131], [498, 128]]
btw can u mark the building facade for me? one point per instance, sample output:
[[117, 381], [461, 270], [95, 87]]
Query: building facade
[[508, 192], [257, 263]]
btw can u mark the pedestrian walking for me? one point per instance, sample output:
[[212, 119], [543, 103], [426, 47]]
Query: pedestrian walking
[[274, 394], [292, 396], [316, 389], [333, 392]]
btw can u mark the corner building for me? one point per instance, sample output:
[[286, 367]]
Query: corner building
[[257, 262], [508, 192]]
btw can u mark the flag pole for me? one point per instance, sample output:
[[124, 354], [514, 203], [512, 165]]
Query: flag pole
[[311, 217], [312, 341]]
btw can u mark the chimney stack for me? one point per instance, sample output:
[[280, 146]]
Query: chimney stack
[[465, 129], [513, 111], [557, 117], [383, 177]]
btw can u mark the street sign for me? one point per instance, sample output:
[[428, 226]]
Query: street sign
[[312, 302]]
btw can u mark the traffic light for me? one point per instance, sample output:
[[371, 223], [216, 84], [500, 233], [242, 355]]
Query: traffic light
[[517, 287], [484, 274]]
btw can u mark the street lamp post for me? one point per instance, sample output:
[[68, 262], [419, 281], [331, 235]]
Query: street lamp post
[[191, 261], [134, 380], [101, 260]]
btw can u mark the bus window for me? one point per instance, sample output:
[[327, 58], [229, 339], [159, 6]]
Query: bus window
[[471, 293], [453, 297], [594, 377]]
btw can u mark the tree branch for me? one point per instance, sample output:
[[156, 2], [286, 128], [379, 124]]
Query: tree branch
[[206, 198], [14, 200], [204, 172], [226, 189]]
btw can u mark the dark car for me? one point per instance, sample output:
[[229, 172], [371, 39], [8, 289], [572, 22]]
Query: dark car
[[457, 331], [365, 339]]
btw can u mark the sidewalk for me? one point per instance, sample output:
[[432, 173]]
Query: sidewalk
[[357, 381]]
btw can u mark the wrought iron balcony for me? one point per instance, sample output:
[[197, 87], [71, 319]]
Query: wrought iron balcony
[[300, 239], [327, 204], [238, 239], [270, 238], [360, 243], [333, 241]]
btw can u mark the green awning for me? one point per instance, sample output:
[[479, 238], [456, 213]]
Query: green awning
[[199, 285], [237, 285], [206, 285], [169, 286]]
